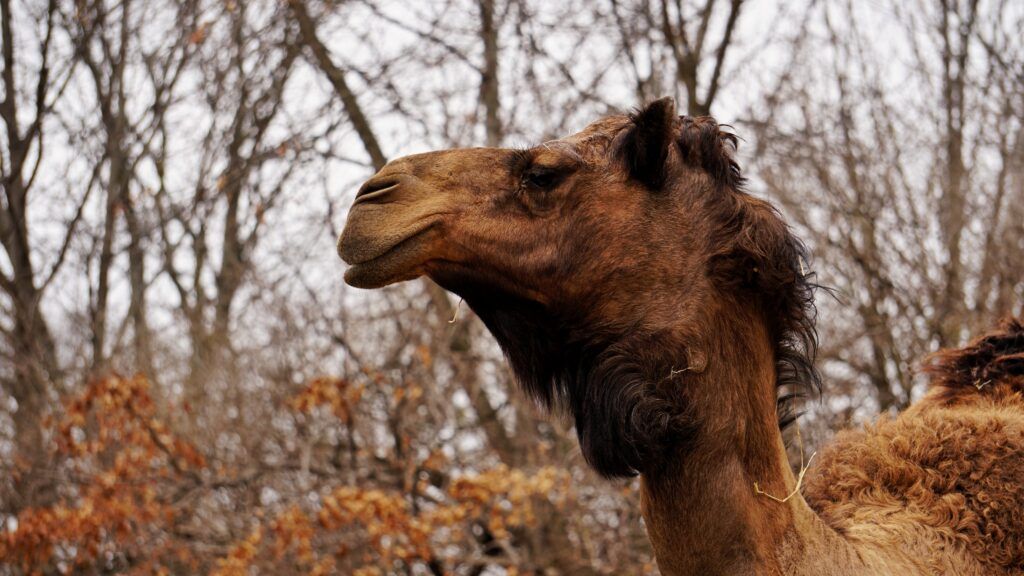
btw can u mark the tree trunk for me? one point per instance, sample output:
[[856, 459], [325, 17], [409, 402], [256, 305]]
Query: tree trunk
[[489, 95]]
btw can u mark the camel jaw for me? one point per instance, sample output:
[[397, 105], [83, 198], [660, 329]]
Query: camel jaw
[[392, 231]]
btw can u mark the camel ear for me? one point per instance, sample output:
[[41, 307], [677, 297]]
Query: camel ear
[[648, 141]]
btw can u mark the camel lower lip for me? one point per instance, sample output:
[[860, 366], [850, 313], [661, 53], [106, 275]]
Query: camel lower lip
[[400, 262], [360, 276]]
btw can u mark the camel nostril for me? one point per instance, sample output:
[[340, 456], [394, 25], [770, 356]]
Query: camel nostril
[[375, 189]]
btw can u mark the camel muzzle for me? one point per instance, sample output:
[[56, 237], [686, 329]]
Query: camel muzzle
[[391, 230]]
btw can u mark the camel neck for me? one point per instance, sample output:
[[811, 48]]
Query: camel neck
[[701, 509]]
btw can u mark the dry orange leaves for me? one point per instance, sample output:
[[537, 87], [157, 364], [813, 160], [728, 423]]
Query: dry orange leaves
[[336, 394], [131, 469], [123, 457], [390, 531]]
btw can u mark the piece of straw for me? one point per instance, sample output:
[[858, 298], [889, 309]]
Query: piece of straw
[[455, 316], [799, 478], [672, 372]]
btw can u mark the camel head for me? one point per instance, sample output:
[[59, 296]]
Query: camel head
[[593, 259]]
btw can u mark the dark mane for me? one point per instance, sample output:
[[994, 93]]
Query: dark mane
[[755, 254], [705, 145], [992, 363], [626, 418]]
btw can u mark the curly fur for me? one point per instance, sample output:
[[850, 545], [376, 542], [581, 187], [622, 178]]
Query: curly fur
[[950, 469]]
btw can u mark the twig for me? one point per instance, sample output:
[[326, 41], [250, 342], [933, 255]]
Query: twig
[[455, 316], [799, 479]]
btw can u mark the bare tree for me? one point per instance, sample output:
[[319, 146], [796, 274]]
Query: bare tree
[[29, 347], [880, 180]]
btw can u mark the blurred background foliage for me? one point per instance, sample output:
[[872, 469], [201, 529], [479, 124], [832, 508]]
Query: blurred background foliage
[[187, 386]]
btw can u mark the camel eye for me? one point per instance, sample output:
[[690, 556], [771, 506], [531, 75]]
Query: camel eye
[[542, 178]]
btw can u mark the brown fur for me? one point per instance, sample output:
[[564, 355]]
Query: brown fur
[[952, 466], [633, 283]]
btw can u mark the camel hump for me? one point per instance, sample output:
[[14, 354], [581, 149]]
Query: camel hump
[[992, 361]]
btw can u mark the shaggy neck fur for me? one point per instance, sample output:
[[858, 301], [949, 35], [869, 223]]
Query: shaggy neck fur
[[699, 434]]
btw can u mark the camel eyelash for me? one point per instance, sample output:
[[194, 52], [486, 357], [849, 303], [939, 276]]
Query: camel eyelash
[[520, 160]]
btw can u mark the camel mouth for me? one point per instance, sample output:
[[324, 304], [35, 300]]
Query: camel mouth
[[400, 261], [382, 244]]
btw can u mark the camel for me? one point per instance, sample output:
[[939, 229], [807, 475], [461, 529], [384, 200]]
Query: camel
[[633, 284]]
